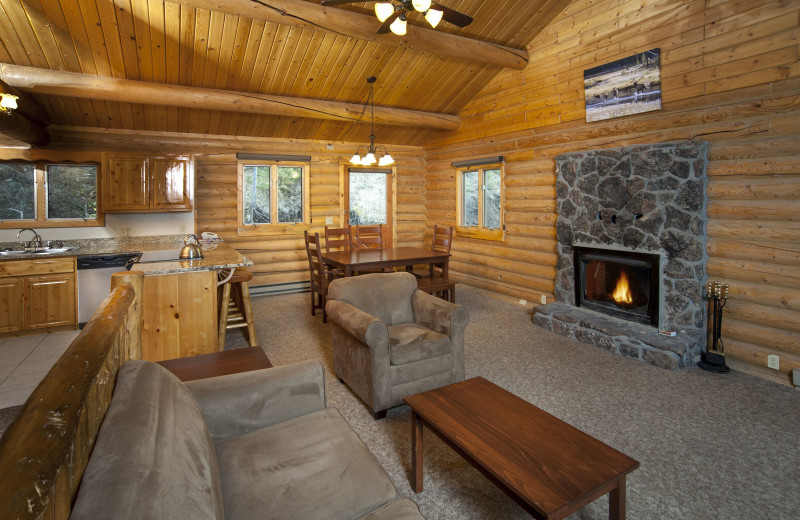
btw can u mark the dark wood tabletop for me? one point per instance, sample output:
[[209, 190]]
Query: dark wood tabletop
[[217, 363], [550, 468], [370, 259]]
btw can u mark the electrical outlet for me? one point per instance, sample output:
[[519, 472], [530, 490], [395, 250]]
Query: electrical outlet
[[125, 232], [329, 146], [328, 221], [543, 299], [774, 362], [523, 302]]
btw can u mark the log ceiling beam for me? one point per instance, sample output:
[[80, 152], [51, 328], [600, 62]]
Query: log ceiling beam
[[307, 15], [19, 128], [58, 83], [28, 106]]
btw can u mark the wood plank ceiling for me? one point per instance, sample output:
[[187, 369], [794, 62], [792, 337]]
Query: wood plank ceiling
[[178, 43]]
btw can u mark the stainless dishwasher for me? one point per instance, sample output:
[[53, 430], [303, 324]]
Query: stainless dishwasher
[[94, 279]]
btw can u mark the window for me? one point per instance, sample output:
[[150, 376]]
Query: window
[[480, 201], [273, 196], [48, 195]]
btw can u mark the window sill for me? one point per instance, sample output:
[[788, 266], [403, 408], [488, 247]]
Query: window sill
[[272, 229], [496, 235]]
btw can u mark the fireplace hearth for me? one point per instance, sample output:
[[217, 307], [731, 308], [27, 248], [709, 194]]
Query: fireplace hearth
[[636, 213]]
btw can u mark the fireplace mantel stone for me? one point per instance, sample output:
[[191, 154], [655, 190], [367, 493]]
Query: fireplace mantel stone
[[642, 198]]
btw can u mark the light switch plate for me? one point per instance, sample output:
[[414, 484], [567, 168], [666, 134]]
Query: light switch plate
[[328, 221]]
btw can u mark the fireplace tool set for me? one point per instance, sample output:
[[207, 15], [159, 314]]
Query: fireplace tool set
[[717, 296]]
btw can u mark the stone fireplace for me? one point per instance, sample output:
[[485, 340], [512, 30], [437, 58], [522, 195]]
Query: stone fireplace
[[636, 213]]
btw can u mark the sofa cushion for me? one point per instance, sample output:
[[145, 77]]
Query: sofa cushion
[[401, 509], [387, 296], [310, 467], [410, 342], [153, 457]]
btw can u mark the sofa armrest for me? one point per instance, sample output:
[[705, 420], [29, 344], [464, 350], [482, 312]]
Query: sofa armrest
[[438, 314], [362, 326], [239, 403]]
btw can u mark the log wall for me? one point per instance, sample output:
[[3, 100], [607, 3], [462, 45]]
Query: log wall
[[730, 75], [281, 258]]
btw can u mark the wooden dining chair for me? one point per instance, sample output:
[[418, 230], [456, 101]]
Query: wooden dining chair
[[338, 238], [318, 273], [369, 237], [435, 281]]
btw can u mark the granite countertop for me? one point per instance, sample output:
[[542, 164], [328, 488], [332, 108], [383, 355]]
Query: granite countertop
[[216, 255]]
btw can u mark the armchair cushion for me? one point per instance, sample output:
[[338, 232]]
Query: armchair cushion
[[410, 342], [387, 298]]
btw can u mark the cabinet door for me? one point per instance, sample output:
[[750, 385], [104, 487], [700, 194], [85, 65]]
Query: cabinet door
[[11, 304], [127, 183], [50, 300], [170, 187]]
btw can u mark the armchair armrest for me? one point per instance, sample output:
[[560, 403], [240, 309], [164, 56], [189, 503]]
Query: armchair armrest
[[239, 403], [362, 326], [439, 315]]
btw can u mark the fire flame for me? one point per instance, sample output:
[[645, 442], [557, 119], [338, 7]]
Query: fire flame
[[622, 293]]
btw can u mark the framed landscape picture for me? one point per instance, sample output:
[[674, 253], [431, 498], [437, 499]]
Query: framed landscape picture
[[624, 87]]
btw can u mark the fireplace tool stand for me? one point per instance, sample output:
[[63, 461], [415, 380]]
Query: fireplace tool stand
[[714, 359]]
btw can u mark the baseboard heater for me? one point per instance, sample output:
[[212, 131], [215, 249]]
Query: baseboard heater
[[279, 288]]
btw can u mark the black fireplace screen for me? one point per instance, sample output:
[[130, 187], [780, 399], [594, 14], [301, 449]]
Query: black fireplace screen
[[618, 283]]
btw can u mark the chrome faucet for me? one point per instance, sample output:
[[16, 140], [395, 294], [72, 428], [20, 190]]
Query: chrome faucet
[[37, 240]]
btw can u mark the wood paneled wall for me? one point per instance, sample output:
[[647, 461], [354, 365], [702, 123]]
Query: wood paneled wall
[[730, 75], [282, 258]]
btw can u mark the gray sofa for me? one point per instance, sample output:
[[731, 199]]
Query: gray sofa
[[391, 340], [253, 445]]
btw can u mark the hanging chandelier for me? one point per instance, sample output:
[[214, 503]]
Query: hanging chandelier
[[372, 154]]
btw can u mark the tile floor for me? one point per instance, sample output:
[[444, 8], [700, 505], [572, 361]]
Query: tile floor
[[24, 362]]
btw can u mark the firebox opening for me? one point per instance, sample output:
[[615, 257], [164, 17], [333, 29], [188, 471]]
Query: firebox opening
[[618, 283]]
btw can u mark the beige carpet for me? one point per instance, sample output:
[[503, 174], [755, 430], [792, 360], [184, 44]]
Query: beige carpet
[[710, 446]]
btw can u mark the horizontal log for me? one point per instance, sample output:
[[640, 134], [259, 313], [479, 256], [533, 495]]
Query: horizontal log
[[521, 281], [760, 230], [756, 356], [785, 254], [59, 83], [764, 315], [19, 128], [753, 271], [754, 188], [783, 210]]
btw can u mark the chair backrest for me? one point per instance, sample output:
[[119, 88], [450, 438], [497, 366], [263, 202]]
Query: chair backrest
[[387, 296], [337, 239], [318, 269], [369, 237], [442, 238]]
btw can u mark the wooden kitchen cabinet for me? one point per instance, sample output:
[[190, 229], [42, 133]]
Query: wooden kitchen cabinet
[[139, 183], [37, 294]]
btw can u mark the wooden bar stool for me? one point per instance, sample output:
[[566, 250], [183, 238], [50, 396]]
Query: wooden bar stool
[[234, 307]]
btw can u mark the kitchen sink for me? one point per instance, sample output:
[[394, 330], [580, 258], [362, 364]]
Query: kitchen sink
[[39, 251]]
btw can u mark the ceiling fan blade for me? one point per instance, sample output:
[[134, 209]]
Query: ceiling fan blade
[[384, 28], [452, 16], [338, 2]]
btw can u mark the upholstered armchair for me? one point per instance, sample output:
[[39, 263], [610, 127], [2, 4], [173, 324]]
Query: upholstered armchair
[[391, 340]]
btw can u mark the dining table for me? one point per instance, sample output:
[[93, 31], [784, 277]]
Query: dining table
[[350, 262]]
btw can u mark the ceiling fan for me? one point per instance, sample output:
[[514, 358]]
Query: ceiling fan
[[394, 14]]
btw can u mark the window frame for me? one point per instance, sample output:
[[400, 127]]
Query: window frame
[[479, 231], [40, 194], [272, 228]]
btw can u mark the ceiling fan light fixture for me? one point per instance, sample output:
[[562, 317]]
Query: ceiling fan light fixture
[[421, 5], [398, 27], [433, 16], [383, 10]]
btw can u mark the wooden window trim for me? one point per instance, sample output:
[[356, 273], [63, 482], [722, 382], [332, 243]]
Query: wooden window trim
[[479, 232], [345, 168], [40, 194], [273, 228]]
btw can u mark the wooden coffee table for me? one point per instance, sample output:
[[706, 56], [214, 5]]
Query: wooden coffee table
[[217, 363], [547, 466]]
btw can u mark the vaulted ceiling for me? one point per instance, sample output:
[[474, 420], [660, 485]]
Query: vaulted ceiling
[[260, 68]]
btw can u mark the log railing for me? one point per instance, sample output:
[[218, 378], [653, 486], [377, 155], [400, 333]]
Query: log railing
[[44, 452]]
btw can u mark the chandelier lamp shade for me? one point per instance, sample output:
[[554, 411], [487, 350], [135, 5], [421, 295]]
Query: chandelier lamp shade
[[383, 10], [371, 154]]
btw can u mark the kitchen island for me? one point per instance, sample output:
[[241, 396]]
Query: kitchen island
[[180, 303], [179, 297]]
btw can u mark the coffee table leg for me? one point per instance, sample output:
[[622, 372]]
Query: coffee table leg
[[416, 452], [616, 501]]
